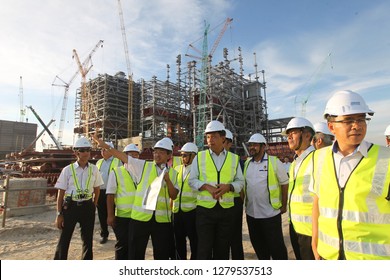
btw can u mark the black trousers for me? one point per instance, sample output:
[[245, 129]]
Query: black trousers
[[214, 227], [102, 213], [236, 248], [84, 214], [123, 233], [184, 224], [266, 236], [302, 245], [294, 242]]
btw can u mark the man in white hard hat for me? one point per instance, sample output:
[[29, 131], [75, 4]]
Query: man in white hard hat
[[300, 132], [323, 136], [351, 182], [266, 187], [105, 165], [184, 206], [121, 189], [216, 174], [387, 134], [78, 194], [155, 223]]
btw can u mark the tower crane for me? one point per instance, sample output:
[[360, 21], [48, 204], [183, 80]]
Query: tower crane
[[22, 111], [86, 103], [129, 74]]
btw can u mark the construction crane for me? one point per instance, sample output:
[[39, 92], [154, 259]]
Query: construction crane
[[86, 100], [129, 74], [22, 111]]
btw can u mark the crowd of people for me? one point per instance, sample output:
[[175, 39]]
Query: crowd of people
[[336, 192]]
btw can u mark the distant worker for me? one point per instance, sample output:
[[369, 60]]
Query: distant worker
[[236, 246], [105, 165], [120, 193], [78, 194], [351, 182], [387, 134], [299, 133], [266, 188], [286, 163], [216, 175], [184, 206], [322, 137]]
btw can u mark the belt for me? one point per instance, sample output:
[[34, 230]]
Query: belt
[[81, 202]]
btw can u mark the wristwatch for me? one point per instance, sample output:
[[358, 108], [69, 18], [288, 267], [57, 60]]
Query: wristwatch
[[59, 213]]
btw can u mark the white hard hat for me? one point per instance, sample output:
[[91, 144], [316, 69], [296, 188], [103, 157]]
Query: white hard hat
[[322, 127], [298, 122], [169, 140], [229, 134], [214, 126], [110, 144], [387, 131], [82, 142], [165, 144], [131, 148], [257, 138], [189, 148], [346, 102]]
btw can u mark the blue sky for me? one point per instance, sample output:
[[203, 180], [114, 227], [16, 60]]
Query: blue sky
[[292, 41]]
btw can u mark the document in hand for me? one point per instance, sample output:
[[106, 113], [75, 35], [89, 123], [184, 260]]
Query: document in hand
[[151, 194]]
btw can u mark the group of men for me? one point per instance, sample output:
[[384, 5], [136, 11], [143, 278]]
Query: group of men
[[336, 193]]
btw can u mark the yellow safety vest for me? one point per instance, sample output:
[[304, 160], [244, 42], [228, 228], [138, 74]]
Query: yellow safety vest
[[208, 173], [186, 200], [114, 164], [275, 194], [176, 161], [81, 194], [354, 220], [125, 192], [300, 202], [163, 210]]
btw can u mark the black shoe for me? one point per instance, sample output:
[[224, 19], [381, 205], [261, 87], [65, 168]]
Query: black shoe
[[103, 240]]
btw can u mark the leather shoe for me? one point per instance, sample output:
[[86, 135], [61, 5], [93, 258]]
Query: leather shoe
[[103, 240]]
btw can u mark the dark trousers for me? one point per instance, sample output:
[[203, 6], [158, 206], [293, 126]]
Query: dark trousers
[[84, 214], [236, 247], [161, 234], [214, 227], [302, 245], [123, 233], [294, 242], [184, 224], [102, 213], [266, 236]]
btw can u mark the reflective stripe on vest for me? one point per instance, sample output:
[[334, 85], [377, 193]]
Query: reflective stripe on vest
[[354, 221], [300, 200], [209, 173], [114, 164], [79, 190], [274, 190], [186, 200], [125, 192]]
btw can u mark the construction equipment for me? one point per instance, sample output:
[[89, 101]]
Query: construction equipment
[[22, 111]]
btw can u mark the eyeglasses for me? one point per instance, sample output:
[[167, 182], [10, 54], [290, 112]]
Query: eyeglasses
[[84, 150], [185, 155], [355, 121]]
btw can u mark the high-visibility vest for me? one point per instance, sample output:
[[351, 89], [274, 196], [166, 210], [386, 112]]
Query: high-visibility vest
[[354, 221], [275, 194], [81, 194], [114, 164], [208, 173], [186, 200], [125, 192], [163, 210], [176, 161], [300, 199]]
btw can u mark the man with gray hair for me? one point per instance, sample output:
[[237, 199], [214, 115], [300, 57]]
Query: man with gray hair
[[322, 137]]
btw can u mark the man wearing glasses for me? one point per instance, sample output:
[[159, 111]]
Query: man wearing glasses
[[78, 194], [351, 182]]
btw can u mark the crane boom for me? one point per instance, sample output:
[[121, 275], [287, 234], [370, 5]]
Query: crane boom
[[22, 110], [216, 43]]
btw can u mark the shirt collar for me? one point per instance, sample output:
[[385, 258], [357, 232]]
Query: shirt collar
[[76, 164], [265, 158], [221, 153], [305, 153], [362, 148]]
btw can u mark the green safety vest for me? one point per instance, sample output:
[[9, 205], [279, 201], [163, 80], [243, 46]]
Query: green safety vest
[[163, 210], [275, 194], [354, 219], [79, 190], [125, 192], [300, 202], [114, 164], [176, 161], [186, 200], [208, 173]]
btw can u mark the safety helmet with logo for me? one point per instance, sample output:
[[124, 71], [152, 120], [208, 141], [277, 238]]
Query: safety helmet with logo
[[387, 131], [322, 127], [229, 134], [214, 126], [298, 122], [189, 148], [346, 102], [165, 144], [257, 138], [82, 142], [131, 148]]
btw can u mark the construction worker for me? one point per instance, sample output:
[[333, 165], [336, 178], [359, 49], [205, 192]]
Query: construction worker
[[78, 194], [387, 134], [145, 222], [105, 166], [300, 132], [216, 175], [266, 187], [322, 137], [351, 182], [184, 206], [236, 247], [286, 163], [120, 192]]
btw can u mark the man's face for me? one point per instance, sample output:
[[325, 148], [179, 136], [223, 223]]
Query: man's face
[[256, 149], [133, 154], [388, 140], [187, 158], [106, 154], [349, 130], [294, 137], [161, 156], [215, 141], [83, 154], [227, 144]]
